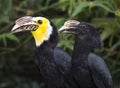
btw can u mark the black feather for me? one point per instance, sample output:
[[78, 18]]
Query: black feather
[[88, 69], [54, 64]]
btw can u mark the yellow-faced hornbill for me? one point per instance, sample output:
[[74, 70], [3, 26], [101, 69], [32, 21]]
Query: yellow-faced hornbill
[[88, 69], [54, 64]]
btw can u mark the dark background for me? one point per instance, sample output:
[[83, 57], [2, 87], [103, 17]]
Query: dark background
[[18, 67]]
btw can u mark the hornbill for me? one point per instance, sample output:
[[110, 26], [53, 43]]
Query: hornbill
[[88, 69], [54, 64]]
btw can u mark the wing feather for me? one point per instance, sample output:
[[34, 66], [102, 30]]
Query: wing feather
[[100, 73]]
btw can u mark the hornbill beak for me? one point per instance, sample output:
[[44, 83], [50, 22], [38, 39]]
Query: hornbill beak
[[24, 24], [69, 27]]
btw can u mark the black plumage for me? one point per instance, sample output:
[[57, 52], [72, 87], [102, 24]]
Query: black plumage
[[55, 64], [88, 69]]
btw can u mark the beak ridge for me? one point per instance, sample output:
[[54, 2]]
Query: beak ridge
[[22, 28], [62, 29], [24, 24], [65, 29], [14, 28]]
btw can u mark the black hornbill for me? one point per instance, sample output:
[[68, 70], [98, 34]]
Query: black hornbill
[[88, 69], [54, 64]]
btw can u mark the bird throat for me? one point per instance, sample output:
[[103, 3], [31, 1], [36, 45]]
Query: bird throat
[[41, 35], [81, 48]]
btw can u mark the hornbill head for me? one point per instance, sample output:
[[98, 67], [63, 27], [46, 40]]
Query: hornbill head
[[40, 27], [83, 31]]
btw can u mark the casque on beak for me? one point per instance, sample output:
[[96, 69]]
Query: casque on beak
[[64, 29], [69, 27], [24, 24]]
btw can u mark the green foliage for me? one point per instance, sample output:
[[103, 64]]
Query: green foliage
[[17, 54], [10, 36]]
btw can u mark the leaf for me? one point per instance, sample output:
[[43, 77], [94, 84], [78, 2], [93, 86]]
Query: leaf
[[106, 33], [104, 7], [79, 9], [12, 37], [4, 41], [90, 4], [115, 46], [71, 6]]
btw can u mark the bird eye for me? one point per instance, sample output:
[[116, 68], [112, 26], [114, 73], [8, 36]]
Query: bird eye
[[40, 21]]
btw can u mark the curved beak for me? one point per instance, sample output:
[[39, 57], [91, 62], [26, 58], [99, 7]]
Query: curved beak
[[62, 29], [24, 24], [69, 27], [65, 29]]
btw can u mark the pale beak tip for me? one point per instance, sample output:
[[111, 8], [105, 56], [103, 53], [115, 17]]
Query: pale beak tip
[[60, 29], [14, 28]]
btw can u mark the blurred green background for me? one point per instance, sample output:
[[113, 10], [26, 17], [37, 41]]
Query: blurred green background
[[18, 68]]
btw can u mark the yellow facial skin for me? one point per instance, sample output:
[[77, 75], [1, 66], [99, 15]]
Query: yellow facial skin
[[43, 32]]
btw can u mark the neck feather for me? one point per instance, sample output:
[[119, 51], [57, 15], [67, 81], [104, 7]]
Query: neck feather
[[82, 48], [45, 56], [47, 47]]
